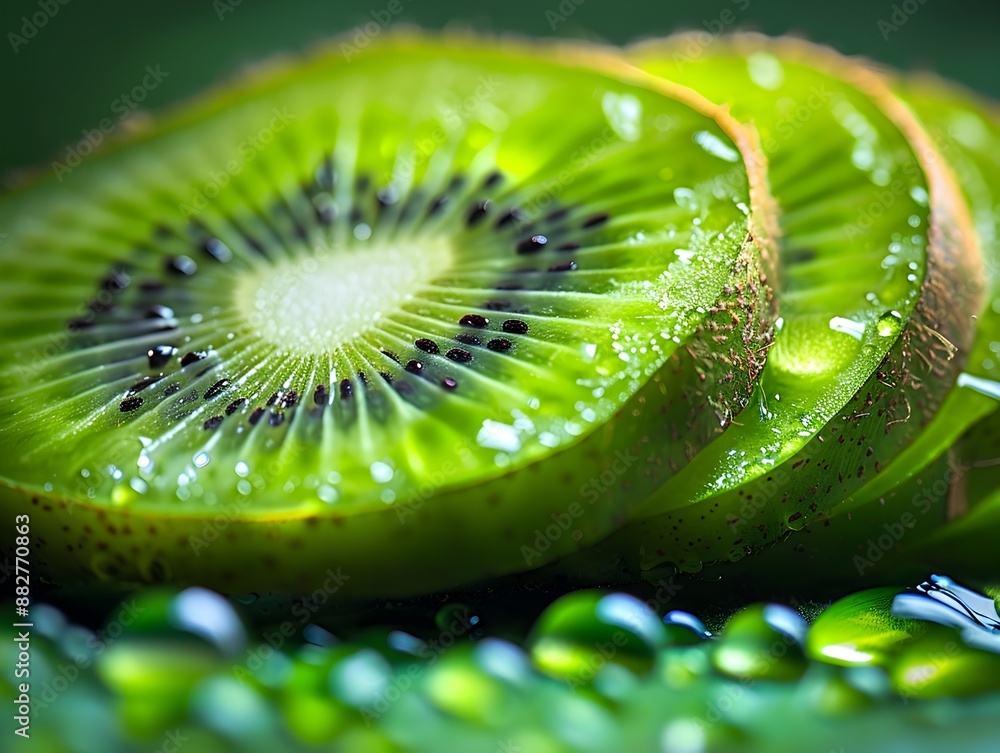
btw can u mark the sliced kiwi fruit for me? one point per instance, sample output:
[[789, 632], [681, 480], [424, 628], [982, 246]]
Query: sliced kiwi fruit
[[386, 316], [937, 501], [875, 240]]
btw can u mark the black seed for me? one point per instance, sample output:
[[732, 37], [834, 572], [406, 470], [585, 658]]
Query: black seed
[[427, 346], [159, 355], [532, 245], [500, 345], [75, 325], [557, 214], [596, 219], [255, 417], [213, 423], [414, 366], [459, 355], [363, 377], [493, 178], [320, 395], [466, 338], [289, 399], [273, 399], [142, 384], [456, 182], [515, 326], [130, 404], [182, 265], [150, 286], [386, 376], [277, 418], [346, 390], [571, 246], [255, 244], [474, 320], [448, 383], [325, 214], [235, 405], [436, 205], [509, 286], [511, 215], [566, 266], [477, 213], [386, 197], [159, 312], [390, 354], [326, 175], [496, 305], [193, 357], [216, 389], [217, 250], [118, 280], [172, 389]]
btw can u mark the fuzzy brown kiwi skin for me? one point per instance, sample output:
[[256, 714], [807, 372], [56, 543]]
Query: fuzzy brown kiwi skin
[[461, 535]]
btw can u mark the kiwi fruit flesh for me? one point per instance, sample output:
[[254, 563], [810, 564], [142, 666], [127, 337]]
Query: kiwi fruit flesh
[[937, 500], [875, 239], [384, 316]]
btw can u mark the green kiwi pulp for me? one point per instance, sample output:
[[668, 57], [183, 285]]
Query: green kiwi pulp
[[875, 240], [385, 315], [937, 500]]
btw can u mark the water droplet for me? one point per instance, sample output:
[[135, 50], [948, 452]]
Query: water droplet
[[583, 631], [684, 628], [762, 642]]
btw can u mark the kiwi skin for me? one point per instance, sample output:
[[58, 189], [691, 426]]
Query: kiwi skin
[[239, 551]]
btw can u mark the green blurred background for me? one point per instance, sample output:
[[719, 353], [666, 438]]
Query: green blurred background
[[65, 78]]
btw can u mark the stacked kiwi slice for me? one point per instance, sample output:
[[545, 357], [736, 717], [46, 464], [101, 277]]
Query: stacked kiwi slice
[[458, 309], [385, 317]]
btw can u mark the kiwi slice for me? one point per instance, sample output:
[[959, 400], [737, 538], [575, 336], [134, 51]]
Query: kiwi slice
[[966, 130], [386, 316], [876, 239]]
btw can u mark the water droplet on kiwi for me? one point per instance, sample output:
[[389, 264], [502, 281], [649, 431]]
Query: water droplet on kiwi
[[890, 324]]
